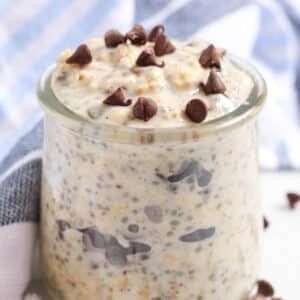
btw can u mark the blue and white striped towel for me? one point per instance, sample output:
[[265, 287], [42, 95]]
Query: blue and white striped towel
[[33, 32]]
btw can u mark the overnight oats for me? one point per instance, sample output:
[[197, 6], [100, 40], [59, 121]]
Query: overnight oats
[[150, 172]]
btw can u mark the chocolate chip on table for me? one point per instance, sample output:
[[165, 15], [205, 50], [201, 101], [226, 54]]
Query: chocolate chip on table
[[198, 235], [92, 238], [147, 58], [155, 32], [154, 213], [293, 199], [113, 38], [62, 227], [214, 84], [82, 56], [264, 288], [137, 35], [266, 222], [117, 98], [211, 57], [163, 45], [264, 291], [144, 109], [196, 110]]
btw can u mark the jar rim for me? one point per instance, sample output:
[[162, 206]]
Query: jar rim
[[124, 134]]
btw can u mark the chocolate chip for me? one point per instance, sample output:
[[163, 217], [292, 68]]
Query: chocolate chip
[[147, 58], [210, 57], [203, 176], [113, 38], [154, 213], [293, 199], [112, 241], [62, 227], [155, 32], [186, 169], [144, 109], [116, 256], [136, 247], [133, 228], [117, 98], [265, 222], [82, 56], [92, 238], [137, 35], [196, 110], [214, 84], [163, 45], [264, 288], [198, 235]]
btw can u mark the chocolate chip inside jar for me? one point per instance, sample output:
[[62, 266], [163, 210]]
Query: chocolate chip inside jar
[[151, 65]]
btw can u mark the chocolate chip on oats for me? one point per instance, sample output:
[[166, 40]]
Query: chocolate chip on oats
[[214, 84], [144, 109], [154, 213], [266, 222], [196, 110], [82, 56], [155, 32], [198, 235], [117, 98], [293, 199], [163, 45], [264, 288], [147, 58], [210, 57], [137, 35], [113, 38]]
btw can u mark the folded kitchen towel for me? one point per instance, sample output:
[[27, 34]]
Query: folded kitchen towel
[[30, 40], [19, 213]]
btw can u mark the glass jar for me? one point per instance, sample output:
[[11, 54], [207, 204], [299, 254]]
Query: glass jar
[[150, 214]]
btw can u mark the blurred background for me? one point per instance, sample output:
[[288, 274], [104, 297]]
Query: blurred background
[[33, 32]]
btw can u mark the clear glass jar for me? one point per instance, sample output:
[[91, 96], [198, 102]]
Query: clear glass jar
[[150, 214]]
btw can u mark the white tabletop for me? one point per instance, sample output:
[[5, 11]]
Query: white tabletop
[[281, 257]]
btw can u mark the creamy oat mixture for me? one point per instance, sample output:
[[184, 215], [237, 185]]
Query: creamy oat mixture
[[149, 220], [84, 88]]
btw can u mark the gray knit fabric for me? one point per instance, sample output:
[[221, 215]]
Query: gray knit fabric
[[20, 191], [20, 194]]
